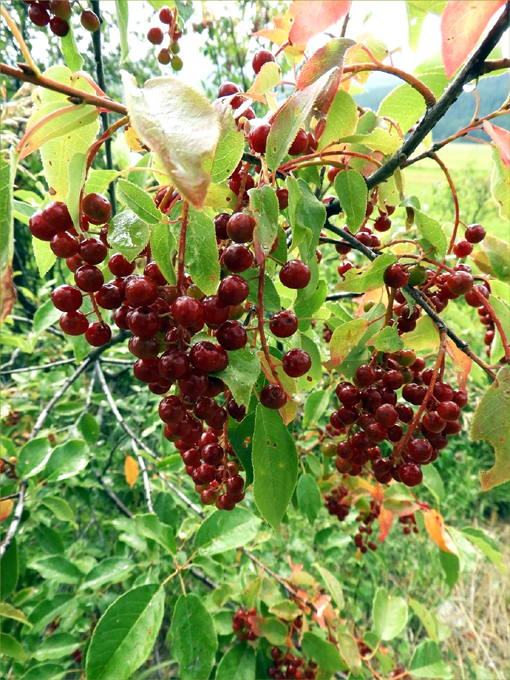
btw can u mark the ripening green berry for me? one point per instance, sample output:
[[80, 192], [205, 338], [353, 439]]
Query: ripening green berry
[[176, 48], [176, 63], [417, 275]]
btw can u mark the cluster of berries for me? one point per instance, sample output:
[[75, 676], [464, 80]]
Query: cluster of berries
[[155, 35], [243, 624], [289, 665], [57, 13]]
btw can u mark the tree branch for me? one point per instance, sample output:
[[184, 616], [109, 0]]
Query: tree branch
[[145, 477], [15, 520]]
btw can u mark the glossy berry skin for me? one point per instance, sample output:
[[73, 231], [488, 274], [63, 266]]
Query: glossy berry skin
[[205, 356], [59, 27], [165, 15], [220, 225], [39, 227], [443, 391], [144, 348], [386, 415], [410, 474], [89, 278], [120, 266], [92, 251], [173, 364], [283, 324], [57, 217], [460, 283], [73, 323], [420, 450], [61, 9], [283, 198], [143, 321], [90, 21], [237, 258], [475, 233], [272, 396], [38, 15], [463, 248], [155, 35], [472, 298], [365, 375], [348, 395], [171, 410], [67, 298], [235, 411], [153, 271], [299, 144], [141, 291], [233, 290], [295, 275], [296, 362], [98, 334], [109, 296], [228, 89], [240, 227], [382, 223], [261, 57], [396, 276], [232, 335], [96, 208], [449, 411], [257, 138], [64, 245], [215, 311], [433, 422]]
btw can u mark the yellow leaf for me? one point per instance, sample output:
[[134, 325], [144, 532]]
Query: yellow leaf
[[5, 509], [133, 140], [131, 470], [437, 531]]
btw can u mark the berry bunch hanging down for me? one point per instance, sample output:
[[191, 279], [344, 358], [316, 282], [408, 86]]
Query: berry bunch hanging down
[[56, 15], [156, 36]]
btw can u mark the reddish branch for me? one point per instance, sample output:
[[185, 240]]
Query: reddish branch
[[182, 248]]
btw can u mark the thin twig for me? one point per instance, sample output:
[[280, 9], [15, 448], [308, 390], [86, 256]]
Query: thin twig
[[16, 519], [63, 362], [145, 477], [112, 496]]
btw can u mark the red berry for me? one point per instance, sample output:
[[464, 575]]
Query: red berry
[[215, 311], [240, 227], [459, 283], [109, 296], [449, 410], [420, 450], [443, 391], [410, 474], [98, 334], [233, 290], [261, 57], [237, 258], [144, 348], [463, 248], [220, 224], [193, 383], [348, 394], [228, 89], [365, 375], [92, 251], [155, 35], [472, 298], [296, 362], [387, 415], [225, 503], [283, 198], [59, 27], [396, 276], [38, 15], [460, 398], [89, 278], [299, 144], [475, 233], [382, 223], [295, 274], [39, 227], [64, 245], [433, 422], [257, 138], [90, 21], [143, 321], [120, 266], [141, 290], [272, 396], [57, 217], [232, 336], [165, 15], [171, 410], [283, 324], [67, 298], [96, 207], [235, 411], [205, 356], [153, 271], [61, 8], [74, 323]]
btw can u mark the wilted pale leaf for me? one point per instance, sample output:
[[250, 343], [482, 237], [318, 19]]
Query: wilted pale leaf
[[131, 469], [437, 531], [180, 125], [312, 18], [5, 509]]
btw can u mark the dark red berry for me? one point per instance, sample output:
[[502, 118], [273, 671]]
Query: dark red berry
[[235, 411], [215, 311], [233, 290], [92, 251], [89, 278], [296, 362], [463, 248], [420, 450], [120, 266], [73, 323], [257, 138], [410, 474], [67, 298], [64, 245], [237, 258], [295, 274], [475, 233], [171, 410], [90, 22], [144, 348], [109, 296], [433, 422], [365, 375], [232, 336], [38, 15], [283, 198], [283, 324], [96, 207], [98, 334], [173, 364], [240, 227], [155, 35], [141, 290], [460, 283], [272, 396], [261, 57], [382, 223], [57, 217], [299, 144], [143, 321], [59, 27], [396, 276]]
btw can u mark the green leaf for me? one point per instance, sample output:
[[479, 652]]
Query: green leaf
[[45, 317], [289, 118], [60, 508], [345, 338], [498, 252], [268, 77], [202, 252], [33, 457], [241, 374], [126, 633], [180, 125], [323, 60], [128, 234], [500, 185], [8, 165], [427, 662], [162, 249], [377, 140], [503, 313], [11, 648], [149, 526], [322, 652], [79, 345], [9, 612], [433, 482], [351, 189], [122, 11], [285, 609], [332, 584], [56, 646], [99, 180], [487, 546], [428, 619], [66, 460], [138, 201], [273, 630], [264, 207], [44, 671], [230, 147], [368, 278], [223, 531], [424, 336], [272, 301], [306, 307], [89, 428], [275, 465], [57, 153], [309, 497], [58, 569], [72, 56], [44, 256], [109, 570], [349, 651], [307, 216], [491, 423], [431, 230], [241, 438], [315, 406], [237, 664], [47, 610], [193, 636], [389, 614], [50, 540], [314, 375], [76, 173], [342, 119], [10, 571], [451, 567], [386, 340]]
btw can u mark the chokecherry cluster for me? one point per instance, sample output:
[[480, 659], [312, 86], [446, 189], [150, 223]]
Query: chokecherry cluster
[[376, 407], [156, 35], [243, 624], [57, 13], [289, 665]]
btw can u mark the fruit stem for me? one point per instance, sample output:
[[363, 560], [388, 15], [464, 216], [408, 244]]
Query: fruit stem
[[497, 322], [260, 319], [182, 248]]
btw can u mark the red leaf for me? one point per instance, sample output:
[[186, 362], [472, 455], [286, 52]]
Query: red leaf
[[436, 529], [502, 139], [326, 58], [312, 18], [462, 24], [461, 364], [385, 522]]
